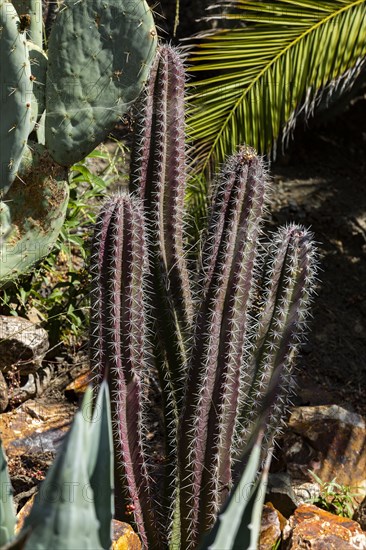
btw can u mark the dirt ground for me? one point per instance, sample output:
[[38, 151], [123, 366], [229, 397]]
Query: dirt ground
[[321, 183]]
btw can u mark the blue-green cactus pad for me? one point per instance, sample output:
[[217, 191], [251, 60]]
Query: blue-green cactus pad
[[99, 56], [31, 214], [16, 95], [38, 64], [33, 8]]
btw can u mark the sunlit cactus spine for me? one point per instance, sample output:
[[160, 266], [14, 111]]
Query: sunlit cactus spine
[[221, 332]]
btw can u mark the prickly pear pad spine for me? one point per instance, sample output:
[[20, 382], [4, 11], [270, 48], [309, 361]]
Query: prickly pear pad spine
[[100, 53], [228, 267], [118, 345], [278, 330], [16, 95]]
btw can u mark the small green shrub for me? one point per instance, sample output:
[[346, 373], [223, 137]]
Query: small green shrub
[[335, 497], [57, 289]]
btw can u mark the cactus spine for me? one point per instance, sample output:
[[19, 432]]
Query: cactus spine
[[222, 341]]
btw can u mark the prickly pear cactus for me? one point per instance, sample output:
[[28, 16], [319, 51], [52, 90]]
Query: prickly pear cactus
[[38, 63], [99, 58], [32, 214], [67, 99], [16, 94], [30, 12]]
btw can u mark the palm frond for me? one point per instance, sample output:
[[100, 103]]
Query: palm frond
[[282, 58]]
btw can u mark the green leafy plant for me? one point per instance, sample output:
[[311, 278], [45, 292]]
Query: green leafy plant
[[57, 290], [216, 337], [57, 106], [276, 63], [74, 505], [335, 497]]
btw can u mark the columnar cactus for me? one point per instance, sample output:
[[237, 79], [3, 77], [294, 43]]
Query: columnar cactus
[[66, 99], [222, 333], [119, 335]]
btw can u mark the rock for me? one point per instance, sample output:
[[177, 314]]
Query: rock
[[35, 386], [23, 345], [315, 529], [304, 492], [78, 386], [124, 537], [327, 440], [337, 439], [4, 398], [270, 528], [281, 494], [360, 515], [35, 428]]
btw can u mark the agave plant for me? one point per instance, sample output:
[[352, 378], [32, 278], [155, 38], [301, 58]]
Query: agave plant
[[278, 61], [217, 343], [74, 505]]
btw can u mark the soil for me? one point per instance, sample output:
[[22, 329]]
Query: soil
[[321, 183]]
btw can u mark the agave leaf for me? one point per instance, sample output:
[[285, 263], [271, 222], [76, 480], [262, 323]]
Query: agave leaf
[[17, 543], [279, 63], [100, 464], [238, 525], [7, 511], [63, 514]]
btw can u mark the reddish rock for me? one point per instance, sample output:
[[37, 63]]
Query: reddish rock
[[270, 527], [79, 385], [34, 427], [124, 537], [311, 528], [329, 441]]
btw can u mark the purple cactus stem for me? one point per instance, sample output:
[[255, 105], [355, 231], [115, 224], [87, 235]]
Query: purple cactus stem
[[118, 344], [221, 340]]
